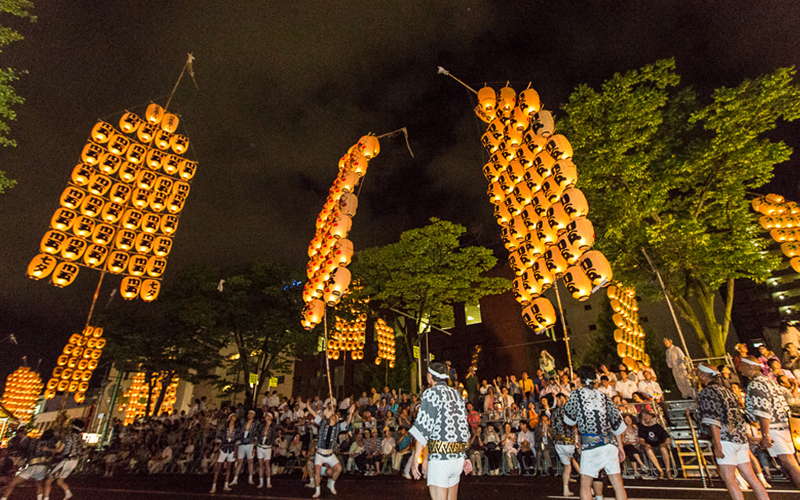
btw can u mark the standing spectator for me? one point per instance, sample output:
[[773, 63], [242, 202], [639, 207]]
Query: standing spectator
[[514, 389], [544, 445], [471, 385], [741, 352], [676, 360], [476, 451], [547, 364], [526, 385]]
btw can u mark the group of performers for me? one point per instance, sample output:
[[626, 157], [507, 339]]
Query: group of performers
[[47, 459]]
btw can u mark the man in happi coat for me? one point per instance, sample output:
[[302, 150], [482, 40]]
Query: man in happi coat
[[330, 426], [564, 439], [675, 360], [600, 426], [765, 404], [722, 417], [442, 426]]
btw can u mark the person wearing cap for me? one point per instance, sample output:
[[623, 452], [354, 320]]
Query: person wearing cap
[[247, 440], [228, 438], [442, 426], [653, 435], [722, 417], [328, 432], [564, 439], [765, 404], [600, 425]]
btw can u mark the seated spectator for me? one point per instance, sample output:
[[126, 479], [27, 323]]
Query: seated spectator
[[606, 387], [650, 387], [402, 450], [187, 457], [526, 440], [164, 457], [630, 442], [476, 451], [492, 449], [509, 444], [356, 455], [388, 445], [652, 435]]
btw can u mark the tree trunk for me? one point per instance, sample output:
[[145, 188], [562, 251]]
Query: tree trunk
[[714, 336], [166, 379]]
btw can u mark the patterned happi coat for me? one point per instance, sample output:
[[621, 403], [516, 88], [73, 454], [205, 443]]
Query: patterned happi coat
[[718, 405], [597, 417], [442, 417], [562, 433], [764, 399]]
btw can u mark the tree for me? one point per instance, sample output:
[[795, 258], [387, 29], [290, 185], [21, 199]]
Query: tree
[[666, 173], [259, 311], [161, 339], [8, 96], [424, 273]]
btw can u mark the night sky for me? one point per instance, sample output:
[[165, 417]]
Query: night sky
[[286, 87]]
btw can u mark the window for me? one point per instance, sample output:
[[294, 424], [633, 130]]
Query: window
[[643, 319], [587, 307], [473, 314], [592, 328], [281, 379]]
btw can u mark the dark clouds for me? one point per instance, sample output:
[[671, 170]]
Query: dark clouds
[[287, 87]]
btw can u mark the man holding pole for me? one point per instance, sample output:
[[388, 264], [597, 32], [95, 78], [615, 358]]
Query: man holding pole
[[442, 426], [329, 428]]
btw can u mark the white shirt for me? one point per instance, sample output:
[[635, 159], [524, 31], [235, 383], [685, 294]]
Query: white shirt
[[626, 388], [652, 388], [526, 436], [609, 390]]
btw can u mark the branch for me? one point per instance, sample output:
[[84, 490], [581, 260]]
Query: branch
[[688, 313]]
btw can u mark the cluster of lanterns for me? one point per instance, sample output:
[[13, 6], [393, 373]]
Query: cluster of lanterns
[[136, 397], [330, 251], [628, 335], [22, 391], [542, 214], [76, 364], [121, 208], [386, 342], [782, 219], [348, 336]]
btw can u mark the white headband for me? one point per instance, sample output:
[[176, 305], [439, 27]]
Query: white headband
[[754, 363], [708, 370], [436, 374]]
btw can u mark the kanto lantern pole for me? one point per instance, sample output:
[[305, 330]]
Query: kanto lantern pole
[[443, 71], [327, 359], [94, 299], [669, 303], [564, 325]]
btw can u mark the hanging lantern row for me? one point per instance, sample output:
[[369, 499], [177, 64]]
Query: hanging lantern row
[[330, 251], [542, 214], [782, 219], [348, 336], [122, 206], [135, 398], [386, 342], [76, 364], [628, 335], [21, 392]]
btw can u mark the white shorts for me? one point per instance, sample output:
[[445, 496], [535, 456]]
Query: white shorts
[[330, 460], [735, 453], [264, 452], [445, 473], [245, 451], [229, 456], [64, 468], [565, 452], [781, 442], [35, 472], [605, 457]]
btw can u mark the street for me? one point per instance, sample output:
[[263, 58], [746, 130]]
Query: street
[[383, 487]]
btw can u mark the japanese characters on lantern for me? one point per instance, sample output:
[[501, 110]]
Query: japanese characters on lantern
[[122, 205], [628, 335], [134, 399], [330, 251], [21, 392], [542, 215], [76, 364]]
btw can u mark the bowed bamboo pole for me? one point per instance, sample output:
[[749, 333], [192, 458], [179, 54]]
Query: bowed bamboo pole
[[564, 325], [327, 359], [443, 71]]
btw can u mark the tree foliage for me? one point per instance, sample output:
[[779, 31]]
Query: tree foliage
[[424, 273], [8, 96], [671, 173]]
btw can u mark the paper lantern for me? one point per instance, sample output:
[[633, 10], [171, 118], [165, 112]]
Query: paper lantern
[[515, 172], [541, 274], [179, 143], [168, 224], [348, 204], [542, 123], [552, 190], [149, 292], [523, 194], [117, 144], [487, 98], [580, 233], [158, 201], [574, 203], [187, 169], [169, 123], [162, 245], [146, 179], [41, 266], [154, 113], [64, 274], [570, 253], [137, 265], [314, 311], [369, 146], [125, 239], [95, 255], [337, 285], [129, 122], [506, 100], [543, 164], [175, 202], [556, 264], [529, 102], [117, 261], [525, 155], [73, 248], [577, 283], [521, 293], [109, 163], [111, 212], [596, 267], [130, 287], [155, 266], [72, 197], [565, 173], [342, 251], [103, 234], [557, 217], [128, 172], [790, 249], [120, 193], [559, 147], [545, 233], [91, 154], [83, 226], [513, 206], [540, 312], [154, 158], [795, 263], [91, 205], [162, 140]]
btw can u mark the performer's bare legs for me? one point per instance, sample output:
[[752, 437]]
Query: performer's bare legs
[[333, 472], [440, 493]]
